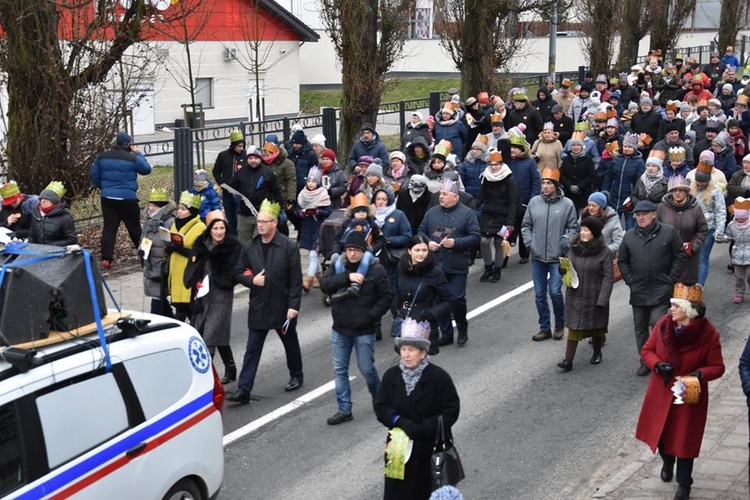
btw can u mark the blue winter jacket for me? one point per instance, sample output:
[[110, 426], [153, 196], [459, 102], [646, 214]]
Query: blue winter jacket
[[526, 175], [374, 148], [458, 222], [304, 159], [621, 177], [725, 162], [470, 170], [455, 133], [209, 200], [115, 173], [670, 172]]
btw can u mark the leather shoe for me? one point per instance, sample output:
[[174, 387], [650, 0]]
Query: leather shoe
[[523, 260], [566, 364], [682, 493], [241, 397], [463, 338], [340, 418], [596, 358], [642, 371], [667, 473], [542, 335], [559, 333], [445, 340], [294, 384]]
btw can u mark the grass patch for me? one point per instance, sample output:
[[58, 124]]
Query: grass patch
[[397, 89]]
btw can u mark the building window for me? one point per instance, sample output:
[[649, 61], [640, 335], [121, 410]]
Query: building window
[[421, 24], [204, 92]]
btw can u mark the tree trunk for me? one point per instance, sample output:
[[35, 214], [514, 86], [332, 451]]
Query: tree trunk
[[659, 14], [604, 20], [729, 22], [360, 80], [630, 34], [477, 70]]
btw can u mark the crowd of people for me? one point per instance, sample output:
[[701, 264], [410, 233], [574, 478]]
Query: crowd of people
[[631, 177]]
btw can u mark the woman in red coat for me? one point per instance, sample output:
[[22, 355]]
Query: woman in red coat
[[683, 342]]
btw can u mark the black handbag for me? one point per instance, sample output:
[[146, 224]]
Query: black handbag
[[445, 463], [392, 256], [398, 320]]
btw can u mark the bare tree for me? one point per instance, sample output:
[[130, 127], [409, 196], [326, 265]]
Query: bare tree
[[59, 107], [733, 12], [602, 19], [365, 57], [666, 20], [634, 27], [482, 36]]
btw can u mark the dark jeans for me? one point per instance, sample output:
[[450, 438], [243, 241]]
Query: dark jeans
[[684, 473], [644, 318], [457, 285], [114, 212], [161, 307], [231, 208], [255, 341]]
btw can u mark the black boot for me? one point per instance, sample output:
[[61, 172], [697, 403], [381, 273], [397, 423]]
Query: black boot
[[496, 275], [230, 373], [488, 271], [566, 364]]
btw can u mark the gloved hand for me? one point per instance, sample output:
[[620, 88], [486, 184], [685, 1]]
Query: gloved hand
[[688, 246], [574, 189], [696, 373], [564, 245], [665, 370], [170, 247], [425, 315]]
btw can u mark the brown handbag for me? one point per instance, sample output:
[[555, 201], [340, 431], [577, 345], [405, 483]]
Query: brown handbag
[[617, 275]]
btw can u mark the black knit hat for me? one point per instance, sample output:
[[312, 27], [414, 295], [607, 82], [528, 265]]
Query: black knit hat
[[593, 224]]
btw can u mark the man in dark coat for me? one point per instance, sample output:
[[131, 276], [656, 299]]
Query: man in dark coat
[[355, 320], [227, 163], [257, 183], [646, 120], [527, 114], [368, 145], [452, 230], [651, 259], [270, 267], [564, 125], [628, 93], [115, 172]]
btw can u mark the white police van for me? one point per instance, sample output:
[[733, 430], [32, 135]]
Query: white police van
[[142, 421]]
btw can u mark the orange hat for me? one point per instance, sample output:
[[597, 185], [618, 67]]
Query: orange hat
[[359, 200], [214, 214], [552, 174], [496, 156], [658, 154], [691, 293]]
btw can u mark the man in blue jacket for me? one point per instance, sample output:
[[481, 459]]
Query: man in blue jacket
[[452, 230], [115, 173], [368, 145]]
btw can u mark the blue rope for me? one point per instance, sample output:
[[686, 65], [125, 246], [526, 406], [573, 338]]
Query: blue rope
[[95, 305], [111, 295]]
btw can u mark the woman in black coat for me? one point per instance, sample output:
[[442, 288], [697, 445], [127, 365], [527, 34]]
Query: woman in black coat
[[414, 200], [587, 305], [212, 263], [497, 201], [578, 175], [412, 396], [420, 280]]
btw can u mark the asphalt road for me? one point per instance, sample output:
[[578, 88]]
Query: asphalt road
[[526, 429]]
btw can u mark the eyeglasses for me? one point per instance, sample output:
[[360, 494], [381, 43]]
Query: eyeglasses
[[266, 221]]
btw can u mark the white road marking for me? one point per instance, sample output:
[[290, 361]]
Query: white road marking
[[316, 393]]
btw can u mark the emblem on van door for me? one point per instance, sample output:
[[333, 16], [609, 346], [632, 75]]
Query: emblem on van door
[[198, 354]]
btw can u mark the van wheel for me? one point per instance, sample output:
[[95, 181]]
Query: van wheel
[[185, 489]]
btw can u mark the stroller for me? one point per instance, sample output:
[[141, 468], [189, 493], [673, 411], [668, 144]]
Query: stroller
[[330, 233]]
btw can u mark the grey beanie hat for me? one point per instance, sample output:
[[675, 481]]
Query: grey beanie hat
[[375, 169]]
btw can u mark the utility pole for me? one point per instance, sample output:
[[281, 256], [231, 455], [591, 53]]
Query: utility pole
[[553, 41]]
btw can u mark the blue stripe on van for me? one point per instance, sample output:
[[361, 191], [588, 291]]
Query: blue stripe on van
[[119, 448]]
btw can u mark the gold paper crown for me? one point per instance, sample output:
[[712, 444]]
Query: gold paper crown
[[9, 189], [578, 134], [644, 138], [691, 293], [496, 118], [742, 203], [496, 156], [601, 116], [551, 173], [697, 78], [158, 195], [677, 153], [566, 82], [214, 215], [270, 208], [657, 153], [235, 136], [673, 106], [704, 167], [518, 140], [359, 200], [482, 138], [443, 148], [582, 126], [611, 113], [57, 188], [190, 200], [742, 99]]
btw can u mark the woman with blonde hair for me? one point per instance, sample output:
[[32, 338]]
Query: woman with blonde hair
[[711, 200]]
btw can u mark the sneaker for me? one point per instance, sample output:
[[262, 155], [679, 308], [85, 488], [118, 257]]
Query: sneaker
[[523, 260], [106, 265], [559, 333], [542, 335], [340, 418], [738, 298]]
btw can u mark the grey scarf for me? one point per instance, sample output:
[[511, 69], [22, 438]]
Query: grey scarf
[[412, 376]]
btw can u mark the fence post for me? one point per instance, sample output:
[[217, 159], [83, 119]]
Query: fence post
[[183, 160], [743, 47], [581, 72], [286, 129], [329, 129], [401, 123], [434, 103]]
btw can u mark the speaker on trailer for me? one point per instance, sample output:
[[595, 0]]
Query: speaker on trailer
[[50, 294]]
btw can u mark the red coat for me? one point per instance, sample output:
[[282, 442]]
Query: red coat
[[679, 426]]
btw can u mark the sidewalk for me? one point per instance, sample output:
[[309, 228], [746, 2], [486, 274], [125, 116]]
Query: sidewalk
[[721, 471]]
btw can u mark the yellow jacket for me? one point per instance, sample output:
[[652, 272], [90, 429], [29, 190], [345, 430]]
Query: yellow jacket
[[177, 263]]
